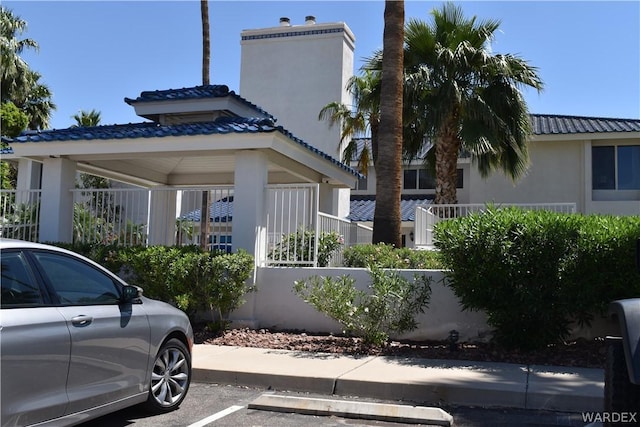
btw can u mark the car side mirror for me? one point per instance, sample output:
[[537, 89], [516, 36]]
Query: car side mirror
[[130, 293]]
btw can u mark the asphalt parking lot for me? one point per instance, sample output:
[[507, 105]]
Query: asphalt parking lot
[[221, 405]]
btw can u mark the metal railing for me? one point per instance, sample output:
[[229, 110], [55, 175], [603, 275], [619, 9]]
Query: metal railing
[[20, 214], [291, 225], [348, 234], [110, 216], [428, 215], [169, 216]]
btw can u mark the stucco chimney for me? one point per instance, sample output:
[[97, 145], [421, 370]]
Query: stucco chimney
[[285, 22], [310, 20]]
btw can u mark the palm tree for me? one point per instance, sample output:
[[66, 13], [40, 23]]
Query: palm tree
[[472, 99], [87, 118], [362, 118], [35, 100], [388, 164], [19, 84], [13, 66], [464, 97]]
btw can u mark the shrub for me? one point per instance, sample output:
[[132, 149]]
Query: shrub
[[299, 246], [231, 272], [535, 273], [389, 307], [386, 256]]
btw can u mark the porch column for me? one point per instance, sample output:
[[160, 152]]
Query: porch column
[[29, 173], [335, 201], [56, 205], [249, 232], [162, 217], [29, 178]]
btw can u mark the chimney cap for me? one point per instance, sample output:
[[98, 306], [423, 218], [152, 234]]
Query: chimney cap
[[310, 19], [285, 22]]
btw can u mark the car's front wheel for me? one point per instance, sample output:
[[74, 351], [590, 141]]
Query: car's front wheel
[[170, 378]]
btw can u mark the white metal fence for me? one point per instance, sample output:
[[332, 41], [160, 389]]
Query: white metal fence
[[428, 215], [291, 225], [348, 234], [169, 216], [20, 214], [299, 235]]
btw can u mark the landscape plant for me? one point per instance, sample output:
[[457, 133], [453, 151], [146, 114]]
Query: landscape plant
[[389, 306], [19, 220], [536, 273], [299, 247], [387, 256]]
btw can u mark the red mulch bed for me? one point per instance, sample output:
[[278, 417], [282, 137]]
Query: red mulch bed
[[578, 353]]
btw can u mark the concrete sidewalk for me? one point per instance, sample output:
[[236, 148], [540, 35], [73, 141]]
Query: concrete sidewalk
[[420, 381]]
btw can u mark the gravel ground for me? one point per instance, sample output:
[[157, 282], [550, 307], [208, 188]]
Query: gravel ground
[[580, 353]]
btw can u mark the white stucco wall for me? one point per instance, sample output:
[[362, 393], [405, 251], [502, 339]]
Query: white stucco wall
[[556, 175], [275, 306]]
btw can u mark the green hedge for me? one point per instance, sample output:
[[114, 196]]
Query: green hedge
[[535, 272], [387, 256], [185, 276]]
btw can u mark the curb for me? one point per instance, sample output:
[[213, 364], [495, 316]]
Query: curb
[[349, 409]]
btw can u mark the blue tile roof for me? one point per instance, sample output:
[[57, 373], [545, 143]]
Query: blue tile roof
[[551, 124], [362, 207], [197, 92], [221, 125], [219, 211]]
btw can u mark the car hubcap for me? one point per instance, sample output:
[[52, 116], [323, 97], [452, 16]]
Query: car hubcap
[[169, 377]]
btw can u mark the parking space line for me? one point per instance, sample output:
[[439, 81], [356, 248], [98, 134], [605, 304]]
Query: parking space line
[[216, 416]]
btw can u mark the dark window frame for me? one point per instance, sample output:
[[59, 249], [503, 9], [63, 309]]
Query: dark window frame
[[607, 172], [430, 184]]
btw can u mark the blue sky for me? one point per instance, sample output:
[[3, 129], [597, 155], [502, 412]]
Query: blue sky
[[93, 54]]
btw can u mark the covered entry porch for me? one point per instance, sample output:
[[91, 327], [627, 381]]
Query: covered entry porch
[[200, 139]]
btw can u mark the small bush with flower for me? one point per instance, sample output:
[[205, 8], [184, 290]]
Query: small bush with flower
[[390, 306]]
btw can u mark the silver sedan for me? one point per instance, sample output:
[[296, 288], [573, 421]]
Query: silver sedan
[[76, 342]]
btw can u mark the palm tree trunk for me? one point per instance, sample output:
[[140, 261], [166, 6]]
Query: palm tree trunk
[[206, 41], [206, 59], [447, 148], [386, 218]]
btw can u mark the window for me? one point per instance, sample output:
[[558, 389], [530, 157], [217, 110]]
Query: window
[[362, 184], [421, 179], [77, 283], [629, 167], [615, 167], [19, 289]]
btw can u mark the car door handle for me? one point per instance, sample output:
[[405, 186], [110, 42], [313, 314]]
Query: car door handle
[[81, 320]]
